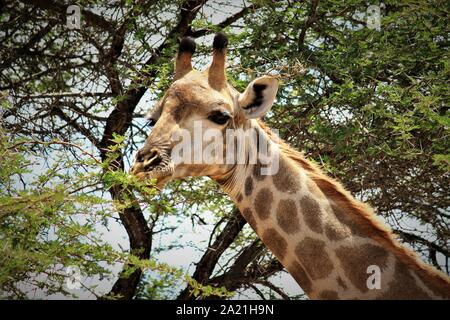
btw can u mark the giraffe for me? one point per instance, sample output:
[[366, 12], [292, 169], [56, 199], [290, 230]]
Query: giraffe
[[326, 239]]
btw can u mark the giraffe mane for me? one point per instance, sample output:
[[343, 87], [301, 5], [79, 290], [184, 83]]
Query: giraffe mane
[[365, 217]]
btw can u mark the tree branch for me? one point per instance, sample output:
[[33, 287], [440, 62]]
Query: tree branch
[[64, 95], [91, 19], [273, 287], [15, 54], [119, 120], [415, 238], [228, 21], [74, 124], [248, 275], [210, 258], [309, 22]]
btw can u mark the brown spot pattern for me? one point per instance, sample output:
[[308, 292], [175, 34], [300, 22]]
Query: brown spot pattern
[[248, 187], [341, 283], [299, 274], [239, 197], [403, 286], [328, 295], [438, 286], [257, 172], [275, 242], [334, 232], [248, 215], [263, 203], [350, 213], [286, 180], [346, 218], [314, 189], [355, 260], [312, 255], [311, 213], [287, 217]]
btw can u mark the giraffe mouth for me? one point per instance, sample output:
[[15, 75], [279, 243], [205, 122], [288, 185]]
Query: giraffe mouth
[[162, 170]]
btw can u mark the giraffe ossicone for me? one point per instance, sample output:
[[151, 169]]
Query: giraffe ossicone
[[322, 235]]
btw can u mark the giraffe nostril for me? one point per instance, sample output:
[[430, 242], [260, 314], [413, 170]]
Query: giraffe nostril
[[152, 154], [152, 159], [148, 158]]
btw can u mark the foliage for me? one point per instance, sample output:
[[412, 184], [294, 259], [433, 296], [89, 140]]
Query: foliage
[[47, 224]]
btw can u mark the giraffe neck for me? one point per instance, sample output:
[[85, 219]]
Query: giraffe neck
[[330, 243]]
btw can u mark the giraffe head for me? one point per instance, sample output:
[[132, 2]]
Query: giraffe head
[[202, 101]]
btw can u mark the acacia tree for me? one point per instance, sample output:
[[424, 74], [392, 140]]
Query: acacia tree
[[369, 104]]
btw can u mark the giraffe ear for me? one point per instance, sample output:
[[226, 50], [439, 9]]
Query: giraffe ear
[[258, 97]]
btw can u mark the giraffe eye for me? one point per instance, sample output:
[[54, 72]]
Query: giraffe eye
[[219, 117]]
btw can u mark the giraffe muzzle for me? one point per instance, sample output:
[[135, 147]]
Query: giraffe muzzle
[[150, 160], [154, 162]]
